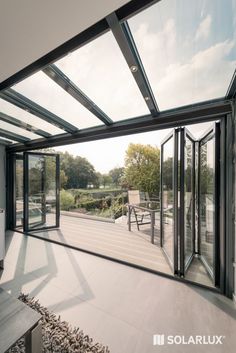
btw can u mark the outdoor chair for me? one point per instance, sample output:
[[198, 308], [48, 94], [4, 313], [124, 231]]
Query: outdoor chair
[[134, 198]]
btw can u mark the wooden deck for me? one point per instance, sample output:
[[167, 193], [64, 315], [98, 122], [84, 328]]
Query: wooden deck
[[109, 239], [115, 241]]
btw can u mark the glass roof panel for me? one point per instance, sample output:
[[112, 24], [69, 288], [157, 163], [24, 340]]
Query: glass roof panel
[[188, 49], [6, 140], [28, 118], [17, 130], [45, 92], [101, 72]]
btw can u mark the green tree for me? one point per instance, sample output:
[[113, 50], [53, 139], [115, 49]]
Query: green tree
[[63, 179], [106, 180], [79, 171], [142, 168], [116, 175], [167, 170]]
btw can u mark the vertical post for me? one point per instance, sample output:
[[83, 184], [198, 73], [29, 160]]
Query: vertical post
[[43, 187], [10, 191], [230, 204], [182, 202], [176, 201], [199, 200], [58, 191], [193, 195], [161, 199], [152, 225], [26, 191], [129, 217]]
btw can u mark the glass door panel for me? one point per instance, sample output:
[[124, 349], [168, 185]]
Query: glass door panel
[[167, 197], [207, 200], [41, 191], [19, 191], [189, 198]]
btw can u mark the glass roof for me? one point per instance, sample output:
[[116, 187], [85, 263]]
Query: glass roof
[[28, 118], [188, 49], [45, 92], [17, 130], [101, 72], [6, 140]]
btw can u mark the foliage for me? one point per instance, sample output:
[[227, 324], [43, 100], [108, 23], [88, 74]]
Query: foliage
[[142, 168], [92, 204], [79, 171], [118, 207], [63, 179], [116, 175], [108, 206], [66, 200], [168, 174], [105, 180]]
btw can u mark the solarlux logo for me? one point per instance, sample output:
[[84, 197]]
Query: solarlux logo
[[160, 340]]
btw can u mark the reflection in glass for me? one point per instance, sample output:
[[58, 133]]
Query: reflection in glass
[[207, 207], [42, 191], [168, 198], [188, 200]]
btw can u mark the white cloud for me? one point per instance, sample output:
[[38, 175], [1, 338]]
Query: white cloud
[[179, 75], [204, 28]]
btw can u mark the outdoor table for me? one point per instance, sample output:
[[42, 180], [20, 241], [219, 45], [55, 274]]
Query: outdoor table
[[147, 206], [18, 320]]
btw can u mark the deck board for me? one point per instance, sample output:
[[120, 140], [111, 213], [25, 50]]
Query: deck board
[[115, 241], [109, 239]]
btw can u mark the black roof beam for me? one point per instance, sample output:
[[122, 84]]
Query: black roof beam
[[13, 121], [132, 8], [64, 82], [231, 92], [206, 111], [124, 38], [12, 136], [5, 142], [22, 102]]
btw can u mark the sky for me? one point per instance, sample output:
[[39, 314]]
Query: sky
[[110, 153], [188, 49]]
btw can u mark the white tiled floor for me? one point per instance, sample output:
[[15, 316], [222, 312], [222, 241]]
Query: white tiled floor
[[117, 305]]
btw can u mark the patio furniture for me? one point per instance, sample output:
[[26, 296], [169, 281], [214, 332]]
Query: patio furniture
[[142, 209], [17, 320], [134, 198]]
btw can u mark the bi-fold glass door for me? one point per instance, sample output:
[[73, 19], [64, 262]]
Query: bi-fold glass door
[[189, 195], [187, 170], [41, 191], [36, 204], [208, 199], [169, 198]]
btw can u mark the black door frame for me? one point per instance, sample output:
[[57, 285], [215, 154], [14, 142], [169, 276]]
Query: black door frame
[[179, 267], [173, 134], [26, 190], [214, 133], [11, 194], [184, 133]]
